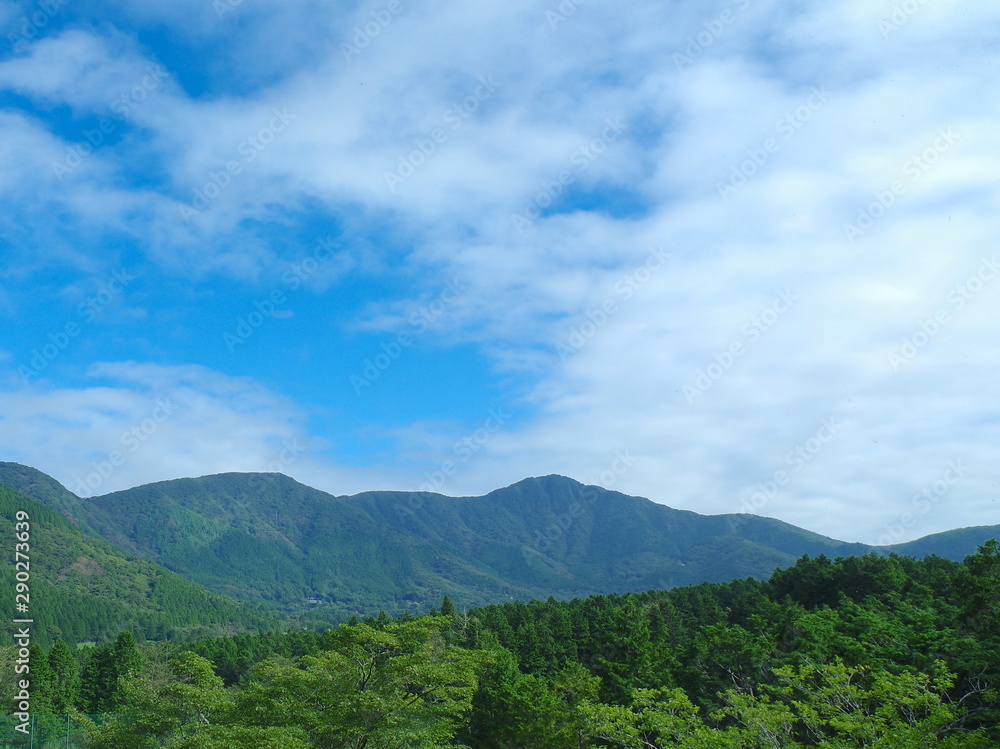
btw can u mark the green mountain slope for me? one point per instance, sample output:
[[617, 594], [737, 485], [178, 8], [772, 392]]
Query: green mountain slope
[[955, 544], [40, 486], [266, 537], [269, 539], [557, 534], [87, 590]]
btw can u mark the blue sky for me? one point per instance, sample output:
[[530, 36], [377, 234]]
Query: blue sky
[[739, 256]]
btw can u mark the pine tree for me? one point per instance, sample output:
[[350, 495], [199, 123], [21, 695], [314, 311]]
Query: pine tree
[[65, 678], [103, 674], [96, 680], [447, 607], [41, 681], [126, 655]]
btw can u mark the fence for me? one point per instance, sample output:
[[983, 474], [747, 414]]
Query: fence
[[44, 732]]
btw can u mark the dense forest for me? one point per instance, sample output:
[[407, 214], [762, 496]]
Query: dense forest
[[298, 557], [84, 589], [865, 651]]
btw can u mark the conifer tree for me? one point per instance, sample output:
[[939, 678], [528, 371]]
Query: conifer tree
[[65, 678], [126, 655], [41, 678], [104, 672], [447, 607]]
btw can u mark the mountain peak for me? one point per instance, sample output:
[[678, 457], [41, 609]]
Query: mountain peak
[[267, 538], [43, 488]]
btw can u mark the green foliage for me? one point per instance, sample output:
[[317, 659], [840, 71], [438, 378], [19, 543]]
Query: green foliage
[[885, 652], [894, 616], [266, 539], [82, 589], [42, 680], [65, 678], [653, 717], [228, 737], [831, 706], [401, 686], [838, 705], [169, 714], [882, 656], [447, 607], [107, 672]]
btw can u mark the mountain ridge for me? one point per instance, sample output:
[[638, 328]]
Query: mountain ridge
[[267, 538], [84, 589]]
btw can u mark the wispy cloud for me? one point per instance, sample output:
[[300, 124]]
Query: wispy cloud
[[744, 161], [132, 423]]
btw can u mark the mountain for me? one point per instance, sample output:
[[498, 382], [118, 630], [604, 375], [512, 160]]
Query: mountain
[[43, 488], [270, 539], [83, 589], [955, 544]]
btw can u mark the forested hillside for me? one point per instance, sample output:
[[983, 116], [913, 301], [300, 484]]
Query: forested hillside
[[866, 651], [319, 558], [83, 589]]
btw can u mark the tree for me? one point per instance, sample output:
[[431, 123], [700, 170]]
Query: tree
[[105, 671], [838, 705], [831, 706], [188, 710], [227, 737], [41, 678], [65, 678], [494, 715], [397, 687], [654, 718], [980, 587], [126, 654], [447, 607]]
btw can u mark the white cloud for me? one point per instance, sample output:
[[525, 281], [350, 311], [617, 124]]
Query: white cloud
[[84, 71], [133, 423], [746, 102]]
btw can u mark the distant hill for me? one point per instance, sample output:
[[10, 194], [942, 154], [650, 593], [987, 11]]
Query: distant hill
[[83, 589], [43, 488], [268, 538]]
